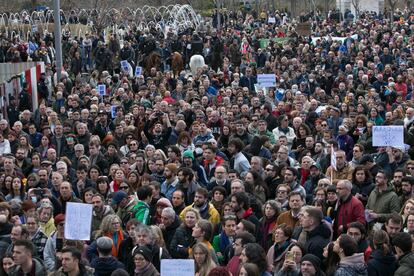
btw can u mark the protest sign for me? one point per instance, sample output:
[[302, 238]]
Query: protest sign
[[388, 136], [78, 221], [113, 111], [180, 267], [266, 80], [138, 71], [102, 90], [271, 20], [125, 65]]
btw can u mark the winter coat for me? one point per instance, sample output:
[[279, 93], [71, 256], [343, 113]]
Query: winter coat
[[363, 189], [347, 212], [384, 203], [105, 266], [40, 269], [169, 231], [84, 271], [317, 239], [379, 264], [352, 266], [181, 241], [49, 254], [406, 267], [150, 271]]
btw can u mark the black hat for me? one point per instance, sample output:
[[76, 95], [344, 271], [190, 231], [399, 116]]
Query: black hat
[[145, 252], [366, 158], [316, 262]]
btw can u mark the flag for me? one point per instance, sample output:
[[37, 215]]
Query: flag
[[333, 158]]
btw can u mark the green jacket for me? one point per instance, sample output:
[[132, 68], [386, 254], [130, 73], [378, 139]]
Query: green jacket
[[142, 212], [126, 213], [406, 267], [384, 204]]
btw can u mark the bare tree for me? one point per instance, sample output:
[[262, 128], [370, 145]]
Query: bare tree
[[357, 6], [392, 4]]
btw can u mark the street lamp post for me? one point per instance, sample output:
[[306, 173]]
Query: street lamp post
[[58, 39]]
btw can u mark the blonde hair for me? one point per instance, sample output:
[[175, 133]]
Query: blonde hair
[[208, 264], [157, 232]]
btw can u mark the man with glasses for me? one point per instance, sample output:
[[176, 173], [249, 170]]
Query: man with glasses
[[36, 235], [220, 179], [410, 167], [382, 201], [343, 170], [348, 209], [282, 196]]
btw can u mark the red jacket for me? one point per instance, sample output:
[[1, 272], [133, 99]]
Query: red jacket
[[347, 212]]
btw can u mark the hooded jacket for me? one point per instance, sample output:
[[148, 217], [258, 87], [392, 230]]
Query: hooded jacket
[[379, 264], [383, 203], [352, 266], [406, 267]]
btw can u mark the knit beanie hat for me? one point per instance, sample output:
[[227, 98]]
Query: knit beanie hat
[[316, 262], [188, 153]]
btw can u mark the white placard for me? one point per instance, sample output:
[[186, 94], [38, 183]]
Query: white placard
[[271, 20], [102, 90], [388, 136], [138, 71], [180, 267], [34, 28], [78, 221], [266, 80]]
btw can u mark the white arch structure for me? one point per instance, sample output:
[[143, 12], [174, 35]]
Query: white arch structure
[[173, 18]]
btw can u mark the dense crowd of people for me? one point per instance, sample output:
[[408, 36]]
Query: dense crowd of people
[[208, 165]]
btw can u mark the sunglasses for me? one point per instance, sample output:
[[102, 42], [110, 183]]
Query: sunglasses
[[124, 188]]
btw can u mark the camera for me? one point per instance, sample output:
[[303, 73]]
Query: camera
[[38, 192]]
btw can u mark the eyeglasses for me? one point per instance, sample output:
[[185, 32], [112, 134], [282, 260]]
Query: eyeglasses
[[281, 192], [129, 138], [124, 188], [133, 144], [410, 168], [269, 169], [124, 162], [324, 125]]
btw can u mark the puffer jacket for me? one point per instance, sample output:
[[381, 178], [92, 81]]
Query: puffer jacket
[[384, 203], [406, 267], [352, 266], [348, 211]]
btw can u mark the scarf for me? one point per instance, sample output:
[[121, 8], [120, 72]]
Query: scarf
[[117, 237], [143, 270], [203, 210], [224, 241], [304, 173], [279, 249]]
